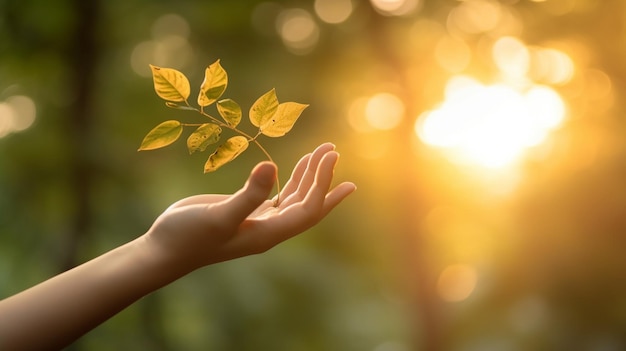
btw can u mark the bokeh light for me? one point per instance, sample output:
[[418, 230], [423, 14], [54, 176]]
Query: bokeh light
[[396, 7], [551, 66], [487, 134], [170, 24], [490, 125], [384, 111], [333, 11], [169, 46], [511, 57], [17, 113], [452, 54], [298, 30], [476, 16], [381, 111], [457, 282]]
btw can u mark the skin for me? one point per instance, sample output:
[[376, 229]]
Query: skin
[[192, 233]]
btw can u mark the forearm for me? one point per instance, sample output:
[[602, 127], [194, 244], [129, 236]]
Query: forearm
[[56, 312]]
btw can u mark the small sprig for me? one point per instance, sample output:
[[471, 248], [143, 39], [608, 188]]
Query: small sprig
[[273, 119]]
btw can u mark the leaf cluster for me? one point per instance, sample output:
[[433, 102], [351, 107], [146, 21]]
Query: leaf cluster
[[272, 118]]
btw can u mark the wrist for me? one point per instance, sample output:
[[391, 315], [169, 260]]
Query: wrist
[[161, 259]]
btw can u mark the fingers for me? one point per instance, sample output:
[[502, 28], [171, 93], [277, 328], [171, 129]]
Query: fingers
[[323, 176], [301, 181], [316, 203], [260, 233], [336, 195], [296, 175], [252, 195]]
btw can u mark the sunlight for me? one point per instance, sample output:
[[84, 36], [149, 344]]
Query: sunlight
[[490, 125], [169, 46], [298, 30], [381, 111], [333, 11], [457, 282], [384, 111], [476, 16], [396, 7], [17, 113]]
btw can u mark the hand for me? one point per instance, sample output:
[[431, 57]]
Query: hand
[[205, 229]]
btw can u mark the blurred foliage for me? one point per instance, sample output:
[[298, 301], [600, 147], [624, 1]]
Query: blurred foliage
[[428, 254]]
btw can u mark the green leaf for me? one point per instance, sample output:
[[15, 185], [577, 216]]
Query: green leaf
[[170, 84], [214, 84], [283, 120], [263, 108], [230, 111], [162, 135], [226, 152], [204, 136]]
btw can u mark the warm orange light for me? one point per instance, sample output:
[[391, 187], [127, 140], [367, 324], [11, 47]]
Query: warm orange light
[[298, 30], [476, 16], [452, 54], [384, 111], [457, 282], [169, 46], [17, 113], [333, 11], [396, 7], [490, 125]]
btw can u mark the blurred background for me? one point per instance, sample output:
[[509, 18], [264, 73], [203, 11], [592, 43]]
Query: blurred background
[[485, 138]]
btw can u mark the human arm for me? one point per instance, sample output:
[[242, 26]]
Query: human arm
[[192, 233]]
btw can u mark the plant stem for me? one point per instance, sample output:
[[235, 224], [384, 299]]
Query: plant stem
[[250, 139]]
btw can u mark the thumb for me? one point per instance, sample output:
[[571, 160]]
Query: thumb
[[254, 193]]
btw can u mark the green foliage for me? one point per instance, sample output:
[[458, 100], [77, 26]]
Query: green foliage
[[273, 119]]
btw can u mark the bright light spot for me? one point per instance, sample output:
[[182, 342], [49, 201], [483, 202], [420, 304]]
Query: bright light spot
[[384, 111], [6, 119], [356, 116], [170, 51], [511, 56], [170, 24], [476, 16], [333, 11], [457, 282], [17, 113], [452, 54], [298, 30], [169, 47], [546, 108], [396, 7], [490, 125], [551, 66]]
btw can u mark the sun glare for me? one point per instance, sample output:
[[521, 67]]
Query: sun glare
[[490, 125], [495, 125]]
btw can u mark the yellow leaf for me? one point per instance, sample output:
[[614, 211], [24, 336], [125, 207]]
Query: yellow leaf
[[283, 119], [170, 84], [162, 135], [179, 107], [204, 136], [214, 84], [230, 111], [263, 108], [226, 152]]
